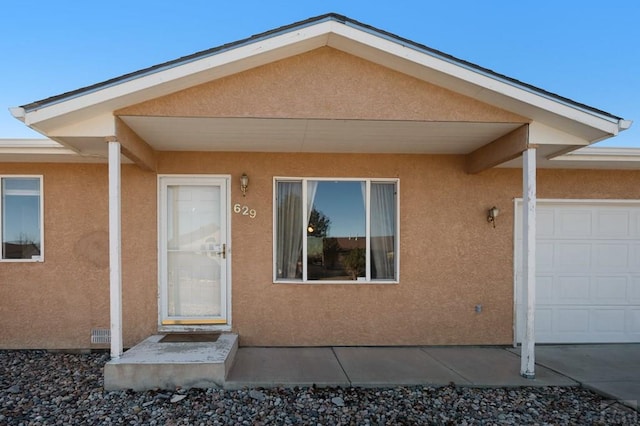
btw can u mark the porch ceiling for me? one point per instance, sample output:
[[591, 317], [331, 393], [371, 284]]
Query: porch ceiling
[[314, 135]]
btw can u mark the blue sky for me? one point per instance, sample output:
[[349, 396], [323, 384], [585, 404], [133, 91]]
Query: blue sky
[[588, 51]]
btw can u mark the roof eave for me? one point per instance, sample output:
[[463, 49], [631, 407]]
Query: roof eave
[[63, 104]]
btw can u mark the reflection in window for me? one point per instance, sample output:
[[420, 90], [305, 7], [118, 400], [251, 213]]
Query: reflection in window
[[341, 230], [20, 206], [336, 230]]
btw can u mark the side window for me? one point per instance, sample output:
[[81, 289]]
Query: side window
[[336, 230], [21, 210]]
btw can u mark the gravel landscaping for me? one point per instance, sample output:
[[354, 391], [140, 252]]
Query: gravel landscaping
[[39, 387]]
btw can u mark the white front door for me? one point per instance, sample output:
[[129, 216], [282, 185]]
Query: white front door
[[194, 250]]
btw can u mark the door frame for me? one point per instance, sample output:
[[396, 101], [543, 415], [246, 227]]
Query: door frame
[[226, 198]]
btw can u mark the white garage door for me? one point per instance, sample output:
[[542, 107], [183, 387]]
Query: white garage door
[[588, 272]]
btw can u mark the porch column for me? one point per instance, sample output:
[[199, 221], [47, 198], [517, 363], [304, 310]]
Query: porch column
[[527, 355], [115, 252]]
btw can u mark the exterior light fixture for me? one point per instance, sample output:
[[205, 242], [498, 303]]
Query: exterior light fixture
[[244, 184], [492, 214]]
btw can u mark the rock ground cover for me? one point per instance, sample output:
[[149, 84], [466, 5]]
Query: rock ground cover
[[40, 387]]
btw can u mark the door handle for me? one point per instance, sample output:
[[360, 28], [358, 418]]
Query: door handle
[[223, 252]]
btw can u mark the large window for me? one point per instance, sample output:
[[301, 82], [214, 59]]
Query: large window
[[336, 230], [21, 210]]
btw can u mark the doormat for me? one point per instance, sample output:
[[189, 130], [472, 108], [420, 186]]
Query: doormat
[[190, 337]]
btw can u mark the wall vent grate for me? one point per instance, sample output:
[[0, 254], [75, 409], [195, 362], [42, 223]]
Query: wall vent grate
[[100, 335]]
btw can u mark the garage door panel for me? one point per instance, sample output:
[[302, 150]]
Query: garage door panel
[[545, 254], [574, 222], [573, 256], [634, 290], [544, 320], [613, 224], [608, 320], [545, 289], [611, 256], [611, 290], [545, 219], [634, 259], [634, 322], [571, 320], [588, 272], [572, 290]]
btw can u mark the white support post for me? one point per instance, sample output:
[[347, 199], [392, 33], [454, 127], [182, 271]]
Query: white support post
[[115, 252], [527, 355]]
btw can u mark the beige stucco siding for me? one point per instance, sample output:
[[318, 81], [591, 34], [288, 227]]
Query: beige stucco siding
[[441, 277], [324, 83], [451, 258], [56, 303]]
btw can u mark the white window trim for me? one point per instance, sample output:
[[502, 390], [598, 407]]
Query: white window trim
[[41, 213], [368, 181]]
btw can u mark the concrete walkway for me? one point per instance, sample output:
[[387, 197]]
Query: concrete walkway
[[383, 367], [610, 370]]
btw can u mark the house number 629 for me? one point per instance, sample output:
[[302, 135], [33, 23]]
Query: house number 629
[[244, 210]]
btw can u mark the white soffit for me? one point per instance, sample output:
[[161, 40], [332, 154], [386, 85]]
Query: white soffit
[[306, 135]]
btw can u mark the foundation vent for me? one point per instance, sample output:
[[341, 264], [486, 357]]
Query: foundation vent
[[100, 335]]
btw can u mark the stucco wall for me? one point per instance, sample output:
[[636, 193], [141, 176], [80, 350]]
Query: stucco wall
[[56, 303], [451, 258], [324, 83]]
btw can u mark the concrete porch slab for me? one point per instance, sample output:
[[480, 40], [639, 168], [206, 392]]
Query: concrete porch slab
[[491, 367], [394, 366], [157, 365], [287, 367]]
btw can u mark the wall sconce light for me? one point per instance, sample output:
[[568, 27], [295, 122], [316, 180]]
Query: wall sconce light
[[492, 214], [244, 184]]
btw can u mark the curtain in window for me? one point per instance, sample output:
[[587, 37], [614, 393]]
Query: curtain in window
[[383, 221], [289, 230]]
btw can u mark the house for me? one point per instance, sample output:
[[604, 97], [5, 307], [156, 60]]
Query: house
[[180, 198]]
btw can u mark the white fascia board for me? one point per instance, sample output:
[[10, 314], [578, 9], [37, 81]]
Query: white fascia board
[[18, 112], [601, 154], [317, 35], [540, 134], [32, 143], [33, 147], [38, 151], [482, 80]]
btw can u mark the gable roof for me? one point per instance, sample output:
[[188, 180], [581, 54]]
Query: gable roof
[[298, 25], [83, 117]]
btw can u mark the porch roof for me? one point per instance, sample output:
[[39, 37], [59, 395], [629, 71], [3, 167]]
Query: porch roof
[[593, 157], [83, 119]]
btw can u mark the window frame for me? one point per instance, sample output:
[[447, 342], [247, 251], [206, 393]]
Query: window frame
[[40, 258], [368, 280]]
